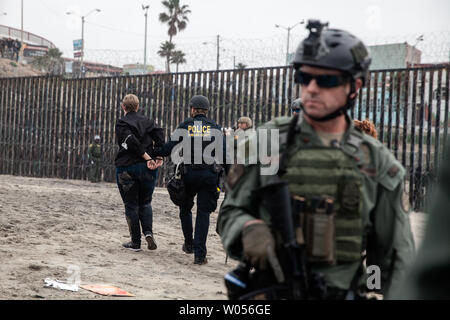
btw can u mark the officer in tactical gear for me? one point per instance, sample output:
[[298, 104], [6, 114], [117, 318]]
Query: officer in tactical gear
[[95, 160], [336, 200], [200, 174]]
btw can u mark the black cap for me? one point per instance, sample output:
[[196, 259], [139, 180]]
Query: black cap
[[199, 102]]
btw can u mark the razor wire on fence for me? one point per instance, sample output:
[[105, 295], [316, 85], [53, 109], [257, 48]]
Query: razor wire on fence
[[201, 53]]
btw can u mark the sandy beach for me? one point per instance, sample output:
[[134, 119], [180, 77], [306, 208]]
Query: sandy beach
[[48, 226]]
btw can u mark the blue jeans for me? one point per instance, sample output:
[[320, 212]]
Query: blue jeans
[[202, 183], [136, 185]]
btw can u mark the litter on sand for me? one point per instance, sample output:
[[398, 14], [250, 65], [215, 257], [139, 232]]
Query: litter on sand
[[106, 290], [59, 284]]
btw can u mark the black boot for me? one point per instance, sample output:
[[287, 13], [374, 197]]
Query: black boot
[[188, 248], [198, 260]]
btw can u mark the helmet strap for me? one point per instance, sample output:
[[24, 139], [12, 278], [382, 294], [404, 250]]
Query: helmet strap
[[340, 111]]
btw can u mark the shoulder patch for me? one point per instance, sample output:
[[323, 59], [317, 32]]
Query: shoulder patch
[[392, 172], [235, 174], [391, 178]]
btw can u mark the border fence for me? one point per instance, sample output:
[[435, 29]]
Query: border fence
[[47, 123]]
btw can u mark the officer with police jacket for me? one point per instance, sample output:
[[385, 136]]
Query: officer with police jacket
[[344, 191], [204, 149]]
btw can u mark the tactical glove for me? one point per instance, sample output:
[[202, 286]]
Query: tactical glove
[[256, 240]]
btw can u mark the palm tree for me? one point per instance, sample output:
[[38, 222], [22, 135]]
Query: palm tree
[[165, 52], [176, 18], [52, 62], [178, 58]]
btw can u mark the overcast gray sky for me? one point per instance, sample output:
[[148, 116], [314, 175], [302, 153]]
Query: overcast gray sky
[[118, 30]]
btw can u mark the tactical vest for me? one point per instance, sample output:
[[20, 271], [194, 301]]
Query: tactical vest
[[96, 150], [328, 185]]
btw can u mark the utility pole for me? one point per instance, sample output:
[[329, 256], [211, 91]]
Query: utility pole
[[145, 8], [287, 49], [218, 51]]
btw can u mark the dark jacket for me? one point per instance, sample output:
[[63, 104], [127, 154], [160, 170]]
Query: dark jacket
[[135, 135], [202, 130]]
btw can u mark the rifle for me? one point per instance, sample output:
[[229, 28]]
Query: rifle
[[282, 217], [277, 201]]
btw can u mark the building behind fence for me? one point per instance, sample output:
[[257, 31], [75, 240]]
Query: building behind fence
[[47, 123]]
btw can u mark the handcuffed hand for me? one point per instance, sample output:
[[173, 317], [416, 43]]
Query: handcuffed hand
[[159, 162], [154, 164], [256, 240], [151, 164]]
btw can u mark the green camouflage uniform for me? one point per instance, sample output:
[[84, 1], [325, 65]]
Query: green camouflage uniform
[[382, 211], [95, 162]]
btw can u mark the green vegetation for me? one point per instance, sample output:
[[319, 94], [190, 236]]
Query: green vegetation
[[176, 17]]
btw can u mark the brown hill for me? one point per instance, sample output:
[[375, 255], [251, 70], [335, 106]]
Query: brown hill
[[9, 68]]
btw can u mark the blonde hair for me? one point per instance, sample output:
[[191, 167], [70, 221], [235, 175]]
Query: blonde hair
[[130, 102]]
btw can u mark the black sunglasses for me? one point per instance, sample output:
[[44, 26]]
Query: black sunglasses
[[323, 80]]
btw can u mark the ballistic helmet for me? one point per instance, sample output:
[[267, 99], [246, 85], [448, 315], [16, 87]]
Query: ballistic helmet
[[333, 49]]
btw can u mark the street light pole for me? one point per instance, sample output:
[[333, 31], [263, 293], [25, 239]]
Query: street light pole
[[145, 41], [82, 46], [83, 18], [22, 21], [288, 36], [218, 51], [21, 38]]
